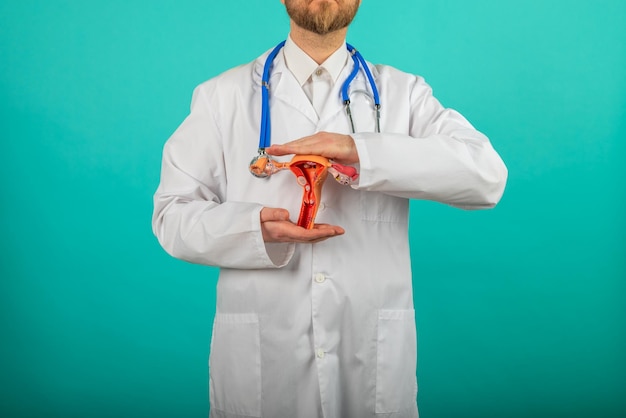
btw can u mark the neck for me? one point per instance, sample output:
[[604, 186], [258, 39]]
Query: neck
[[318, 47]]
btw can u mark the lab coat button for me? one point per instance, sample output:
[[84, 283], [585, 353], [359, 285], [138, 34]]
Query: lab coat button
[[318, 72], [322, 206], [320, 278], [320, 353]]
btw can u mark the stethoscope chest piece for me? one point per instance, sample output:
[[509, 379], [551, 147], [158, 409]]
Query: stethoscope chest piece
[[262, 166]]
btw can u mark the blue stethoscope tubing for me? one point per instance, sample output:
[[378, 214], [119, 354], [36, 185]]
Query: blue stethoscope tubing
[[266, 137]]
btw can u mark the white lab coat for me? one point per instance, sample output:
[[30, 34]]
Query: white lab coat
[[326, 329]]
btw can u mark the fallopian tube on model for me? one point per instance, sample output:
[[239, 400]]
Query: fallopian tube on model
[[311, 172]]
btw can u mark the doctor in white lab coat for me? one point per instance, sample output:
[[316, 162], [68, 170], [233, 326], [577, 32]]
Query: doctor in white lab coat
[[315, 323]]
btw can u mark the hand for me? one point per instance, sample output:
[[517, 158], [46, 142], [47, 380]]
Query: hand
[[335, 146], [276, 227]]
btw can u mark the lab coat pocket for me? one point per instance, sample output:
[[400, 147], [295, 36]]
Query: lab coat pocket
[[235, 365], [396, 361], [380, 207]]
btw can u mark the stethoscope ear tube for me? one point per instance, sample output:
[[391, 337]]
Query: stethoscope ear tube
[[357, 57], [353, 73], [266, 136]]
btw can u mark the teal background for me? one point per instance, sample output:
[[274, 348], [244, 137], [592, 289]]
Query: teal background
[[521, 310]]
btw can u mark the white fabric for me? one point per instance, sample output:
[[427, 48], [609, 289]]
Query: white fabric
[[303, 66], [319, 89], [326, 329], [316, 80]]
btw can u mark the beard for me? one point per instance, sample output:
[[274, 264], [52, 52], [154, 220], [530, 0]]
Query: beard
[[327, 18]]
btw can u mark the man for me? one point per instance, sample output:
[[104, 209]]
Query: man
[[314, 322]]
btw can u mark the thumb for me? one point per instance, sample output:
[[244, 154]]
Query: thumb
[[274, 214]]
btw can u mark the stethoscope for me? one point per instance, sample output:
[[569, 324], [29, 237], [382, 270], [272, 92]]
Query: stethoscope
[[265, 136]]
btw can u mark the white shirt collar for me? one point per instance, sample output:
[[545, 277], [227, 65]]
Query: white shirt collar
[[302, 66]]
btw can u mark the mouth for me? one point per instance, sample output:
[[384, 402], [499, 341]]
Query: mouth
[[328, 2]]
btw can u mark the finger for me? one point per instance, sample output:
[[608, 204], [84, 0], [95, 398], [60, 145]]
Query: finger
[[284, 231], [318, 232], [290, 148], [330, 145], [292, 232], [305, 145], [277, 150], [274, 214], [327, 227]]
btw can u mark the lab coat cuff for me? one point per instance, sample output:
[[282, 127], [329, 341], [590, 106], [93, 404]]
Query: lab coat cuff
[[270, 254], [365, 163]]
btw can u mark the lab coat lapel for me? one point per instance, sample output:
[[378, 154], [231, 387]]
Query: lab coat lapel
[[285, 88]]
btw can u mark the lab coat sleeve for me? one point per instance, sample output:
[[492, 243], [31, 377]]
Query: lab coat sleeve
[[192, 219], [443, 158]]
